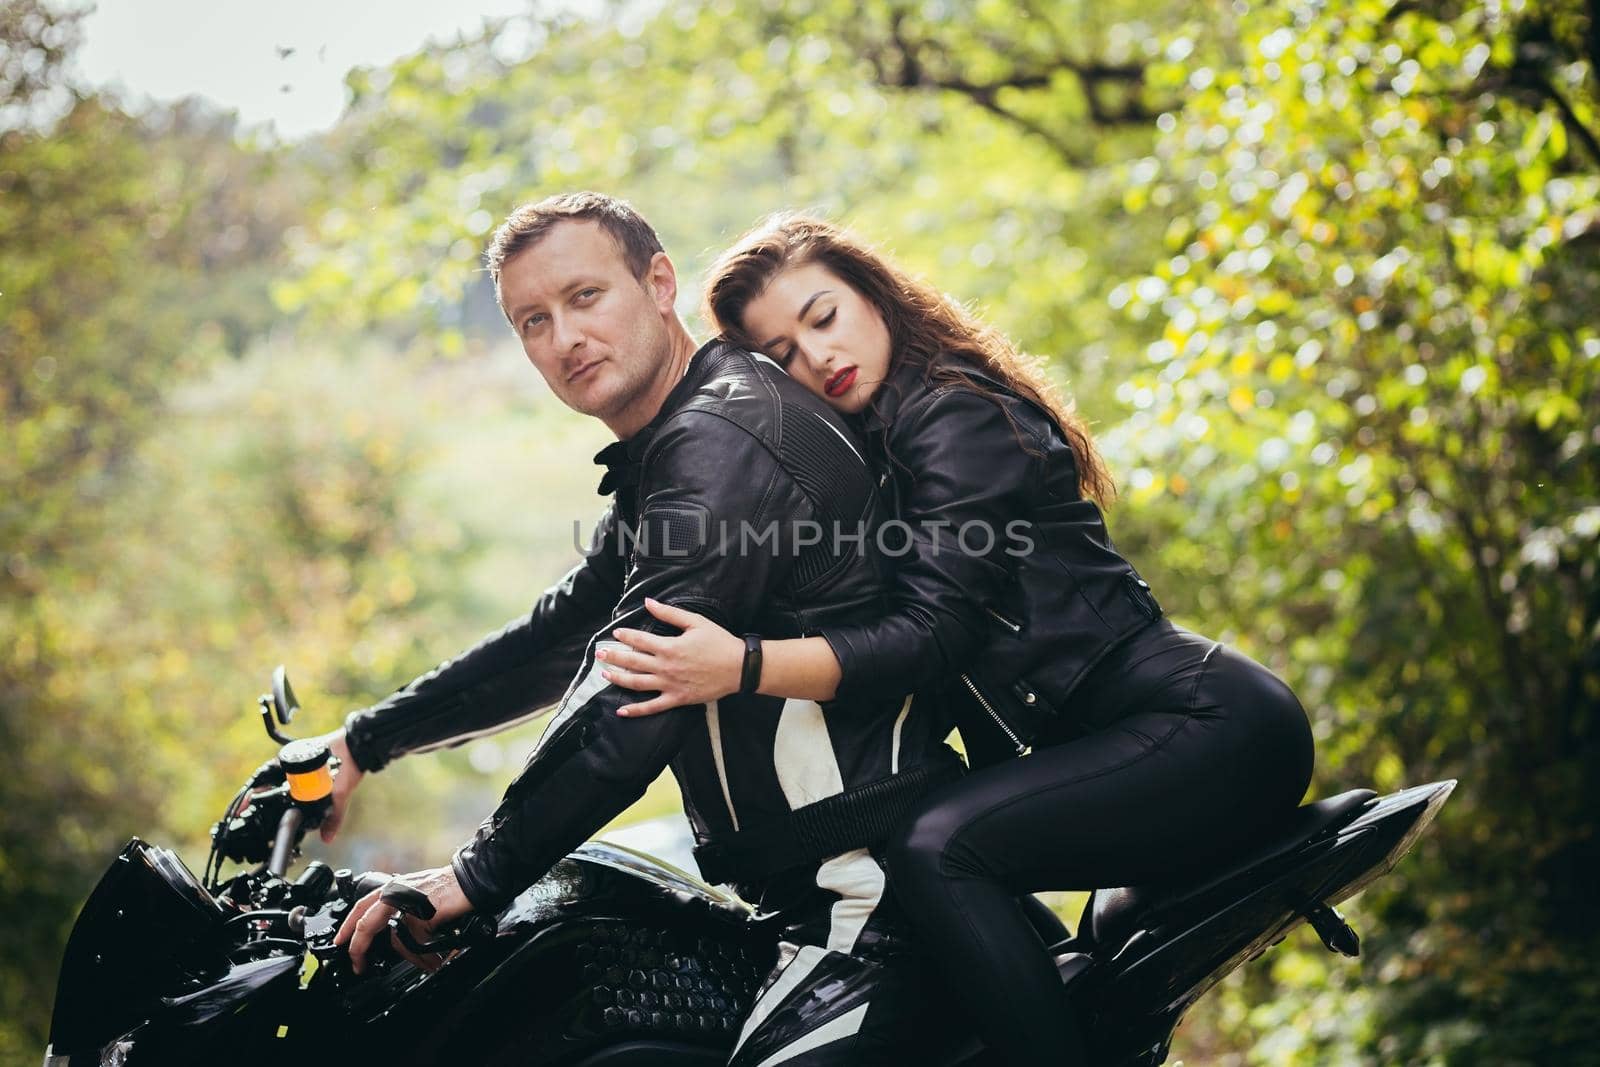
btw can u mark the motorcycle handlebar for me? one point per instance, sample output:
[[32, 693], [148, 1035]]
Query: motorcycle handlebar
[[285, 840]]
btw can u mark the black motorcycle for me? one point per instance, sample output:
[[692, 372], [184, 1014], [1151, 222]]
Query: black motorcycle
[[613, 957]]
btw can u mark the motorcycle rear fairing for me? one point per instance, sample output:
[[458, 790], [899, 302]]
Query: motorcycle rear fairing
[[1154, 950]]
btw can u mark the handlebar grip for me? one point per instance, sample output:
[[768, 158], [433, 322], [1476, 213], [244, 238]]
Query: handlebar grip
[[353, 887], [408, 899]]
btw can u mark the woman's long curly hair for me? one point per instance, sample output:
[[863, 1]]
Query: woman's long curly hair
[[924, 325]]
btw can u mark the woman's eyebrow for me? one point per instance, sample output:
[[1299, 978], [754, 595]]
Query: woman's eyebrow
[[807, 305], [772, 342]]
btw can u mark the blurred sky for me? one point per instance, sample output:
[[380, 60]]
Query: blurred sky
[[229, 50]]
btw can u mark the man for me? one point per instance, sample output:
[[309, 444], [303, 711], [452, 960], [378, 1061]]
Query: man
[[730, 483]]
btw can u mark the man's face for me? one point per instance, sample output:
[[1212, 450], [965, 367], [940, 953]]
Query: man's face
[[596, 333]]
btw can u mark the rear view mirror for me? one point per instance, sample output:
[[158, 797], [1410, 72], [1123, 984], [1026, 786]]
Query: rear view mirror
[[284, 704]]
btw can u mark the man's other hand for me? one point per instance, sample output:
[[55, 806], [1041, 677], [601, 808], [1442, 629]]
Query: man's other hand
[[369, 919], [344, 783]]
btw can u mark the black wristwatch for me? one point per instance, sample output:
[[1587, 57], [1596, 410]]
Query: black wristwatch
[[750, 678]]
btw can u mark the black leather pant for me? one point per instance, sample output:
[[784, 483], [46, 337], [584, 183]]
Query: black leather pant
[[1204, 750]]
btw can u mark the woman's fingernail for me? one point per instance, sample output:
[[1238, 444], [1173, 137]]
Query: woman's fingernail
[[600, 654]]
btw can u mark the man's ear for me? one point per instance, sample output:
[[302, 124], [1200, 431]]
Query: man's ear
[[661, 281]]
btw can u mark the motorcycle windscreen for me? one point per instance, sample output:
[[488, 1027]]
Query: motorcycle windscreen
[[149, 929]]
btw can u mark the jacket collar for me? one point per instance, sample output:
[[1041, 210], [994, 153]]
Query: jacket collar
[[622, 459], [909, 379], [904, 381]]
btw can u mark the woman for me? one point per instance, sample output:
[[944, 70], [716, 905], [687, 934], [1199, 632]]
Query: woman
[[1153, 749]]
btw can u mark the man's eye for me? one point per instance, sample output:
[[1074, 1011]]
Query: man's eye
[[531, 321], [587, 294]]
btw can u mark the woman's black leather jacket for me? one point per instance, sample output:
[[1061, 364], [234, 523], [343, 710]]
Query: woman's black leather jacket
[[1007, 589]]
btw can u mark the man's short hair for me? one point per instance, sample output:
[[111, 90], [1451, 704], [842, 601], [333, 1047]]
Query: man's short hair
[[530, 223]]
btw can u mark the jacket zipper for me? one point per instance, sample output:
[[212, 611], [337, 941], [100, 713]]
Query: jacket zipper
[[998, 721], [1014, 627]]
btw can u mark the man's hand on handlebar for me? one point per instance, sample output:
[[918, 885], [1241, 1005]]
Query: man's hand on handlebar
[[369, 918], [344, 783]]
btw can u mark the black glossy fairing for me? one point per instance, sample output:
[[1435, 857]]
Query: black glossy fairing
[[147, 928]]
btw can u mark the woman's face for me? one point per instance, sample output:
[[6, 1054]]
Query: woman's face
[[821, 330]]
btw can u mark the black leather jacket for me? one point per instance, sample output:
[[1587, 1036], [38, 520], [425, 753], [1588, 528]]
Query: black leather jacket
[[737, 445], [1012, 624]]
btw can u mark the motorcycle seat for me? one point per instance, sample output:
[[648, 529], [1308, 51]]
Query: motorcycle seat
[[1113, 915]]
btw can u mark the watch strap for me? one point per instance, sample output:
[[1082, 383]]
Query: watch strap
[[750, 676]]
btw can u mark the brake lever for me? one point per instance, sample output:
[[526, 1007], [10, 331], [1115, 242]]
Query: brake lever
[[410, 900], [475, 930]]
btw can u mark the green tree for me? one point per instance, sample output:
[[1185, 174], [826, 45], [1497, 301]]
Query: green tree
[[1367, 437], [74, 215], [135, 259]]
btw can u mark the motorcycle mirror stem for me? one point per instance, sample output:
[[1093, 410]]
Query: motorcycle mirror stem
[[280, 703]]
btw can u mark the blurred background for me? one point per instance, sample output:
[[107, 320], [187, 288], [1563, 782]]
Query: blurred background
[[1323, 277]]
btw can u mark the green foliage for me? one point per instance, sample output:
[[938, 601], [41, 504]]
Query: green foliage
[[1322, 274], [134, 260], [745, 112], [1370, 421]]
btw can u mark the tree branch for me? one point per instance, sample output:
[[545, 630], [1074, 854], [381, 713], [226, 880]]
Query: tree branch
[[1594, 38], [1575, 127], [1072, 156], [1574, 698], [906, 61]]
